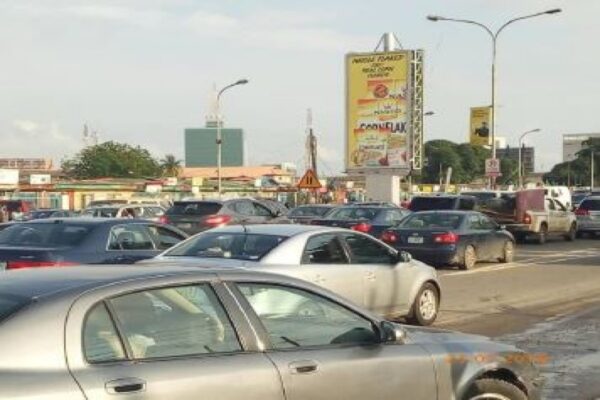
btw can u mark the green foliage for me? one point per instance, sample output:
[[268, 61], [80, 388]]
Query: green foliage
[[111, 159], [577, 172], [170, 165], [467, 161]]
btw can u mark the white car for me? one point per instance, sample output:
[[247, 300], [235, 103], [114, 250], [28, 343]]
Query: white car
[[355, 265]]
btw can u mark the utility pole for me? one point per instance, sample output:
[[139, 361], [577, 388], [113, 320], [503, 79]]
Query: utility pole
[[592, 169], [311, 144]]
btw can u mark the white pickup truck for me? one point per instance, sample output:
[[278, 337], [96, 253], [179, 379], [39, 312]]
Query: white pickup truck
[[530, 213]]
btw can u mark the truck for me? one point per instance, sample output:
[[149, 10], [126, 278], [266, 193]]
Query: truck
[[533, 214]]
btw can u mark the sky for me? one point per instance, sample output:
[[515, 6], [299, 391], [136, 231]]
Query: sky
[[141, 71]]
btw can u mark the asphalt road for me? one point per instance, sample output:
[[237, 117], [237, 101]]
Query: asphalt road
[[546, 302]]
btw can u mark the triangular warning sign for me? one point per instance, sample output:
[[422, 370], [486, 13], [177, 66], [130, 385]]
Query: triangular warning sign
[[309, 181]]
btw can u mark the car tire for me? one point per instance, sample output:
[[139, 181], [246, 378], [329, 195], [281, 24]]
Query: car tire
[[489, 388], [520, 238], [508, 252], [580, 234], [572, 233], [426, 306], [542, 236], [469, 258]]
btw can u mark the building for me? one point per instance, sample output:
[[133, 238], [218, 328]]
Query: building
[[527, 157], [201, 146], [279, 175], [573, 143], [40, 164]]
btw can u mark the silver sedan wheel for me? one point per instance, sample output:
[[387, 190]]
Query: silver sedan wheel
[[490, 396], [428, 304]]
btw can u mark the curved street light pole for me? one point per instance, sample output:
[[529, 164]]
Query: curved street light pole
[[219, 138], [520, 156], [494, 37]]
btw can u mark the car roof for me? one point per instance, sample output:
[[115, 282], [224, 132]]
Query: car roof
[[40, 282], [86, 221], [274, 229], [318, 205], [200, 201]]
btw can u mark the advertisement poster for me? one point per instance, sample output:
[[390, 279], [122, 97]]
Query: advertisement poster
[[480, 126], [378, 110]]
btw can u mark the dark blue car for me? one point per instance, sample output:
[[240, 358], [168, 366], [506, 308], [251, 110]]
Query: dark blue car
[[69, 241], [452, 237], [366, 219]]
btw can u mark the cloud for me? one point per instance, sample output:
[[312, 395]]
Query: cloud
[[25, 126]]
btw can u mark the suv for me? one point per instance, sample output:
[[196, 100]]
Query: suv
[[193, 216], [588, 216], [442, 202]]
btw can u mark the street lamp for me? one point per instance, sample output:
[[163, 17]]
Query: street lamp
[[219, 139], [520, 156], [494, 37]]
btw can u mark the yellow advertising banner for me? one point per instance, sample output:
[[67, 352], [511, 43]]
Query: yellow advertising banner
[[377, 110], [480, 125]]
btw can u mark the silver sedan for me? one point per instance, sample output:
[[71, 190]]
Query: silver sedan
[[106, 333], [352, 264]]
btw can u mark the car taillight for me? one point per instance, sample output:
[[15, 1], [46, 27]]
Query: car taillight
[[217, 220], [389, 237], [20, 264], [582, 211], [163, 219], [362, 227], [527, 219], [445, 238]]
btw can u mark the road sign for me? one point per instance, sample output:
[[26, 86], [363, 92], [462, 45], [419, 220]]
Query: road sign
[[492, 167], [309, 181]]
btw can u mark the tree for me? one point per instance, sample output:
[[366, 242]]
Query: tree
[[467, 161], [577, 172], [170, 166], [111, 159]]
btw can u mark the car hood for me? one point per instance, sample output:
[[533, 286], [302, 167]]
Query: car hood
[[423, 335]]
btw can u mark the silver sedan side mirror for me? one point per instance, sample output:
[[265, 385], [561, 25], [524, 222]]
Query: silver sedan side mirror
[[404, 257]]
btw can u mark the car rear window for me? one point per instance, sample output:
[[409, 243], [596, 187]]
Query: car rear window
[[45, 235], [590, 204], [352, 213], [239, 246], [432, 221], [309, 211], [194, 208], [432, 203]]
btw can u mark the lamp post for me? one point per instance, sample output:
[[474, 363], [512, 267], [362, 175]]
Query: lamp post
[[520, 155], [219, 139], [494, 37]]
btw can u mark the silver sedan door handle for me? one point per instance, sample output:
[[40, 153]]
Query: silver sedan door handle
[[125, 386], [303, 367]]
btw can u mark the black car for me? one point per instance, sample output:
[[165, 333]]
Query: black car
[[452, 237], [43, 213], [306, 213], [63, 242], [372, 220], [442, 202], [195, 216]]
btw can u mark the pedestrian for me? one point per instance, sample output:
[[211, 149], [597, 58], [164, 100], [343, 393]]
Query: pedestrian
[[3, 214]]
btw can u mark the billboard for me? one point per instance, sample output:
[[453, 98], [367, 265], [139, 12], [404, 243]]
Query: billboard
[[480, 125], [9, 176], [40, 179], [378, 111]]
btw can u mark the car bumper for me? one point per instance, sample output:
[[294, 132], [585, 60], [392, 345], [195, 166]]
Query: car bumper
[[434, 255], [588, 226]]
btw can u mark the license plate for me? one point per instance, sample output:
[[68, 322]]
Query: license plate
[[184, 226], [415, 239], [2, 265]]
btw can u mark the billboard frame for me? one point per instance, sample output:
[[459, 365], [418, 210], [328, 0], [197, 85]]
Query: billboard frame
[[414, 120]]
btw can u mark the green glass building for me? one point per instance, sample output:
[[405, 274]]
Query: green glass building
[[201, 146]]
